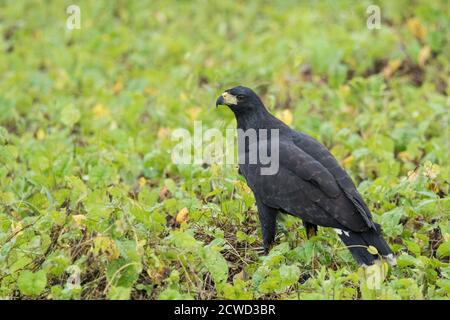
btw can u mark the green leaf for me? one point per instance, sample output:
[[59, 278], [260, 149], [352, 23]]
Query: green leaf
[[171, 186], [405, 260], [215, 263], [443, 250], [412, 247], [32, 283], [444, 284], [70, 115], [374, 275], [123, 273], [119, 293], [170, 294], [289, 274], [183, 240], [391, 222]]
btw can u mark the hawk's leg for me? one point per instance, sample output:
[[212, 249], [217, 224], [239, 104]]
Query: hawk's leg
[[311, 229], [267, 218]]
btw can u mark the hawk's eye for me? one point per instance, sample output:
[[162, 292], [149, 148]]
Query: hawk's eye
[[240, 96]]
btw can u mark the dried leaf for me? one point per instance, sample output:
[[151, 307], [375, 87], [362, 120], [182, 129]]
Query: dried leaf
[[404, 156], [182, 216], [416, 28], [423, 56], [117, 87], [391, 67], [106, 245], [163, 193], [79, 218]]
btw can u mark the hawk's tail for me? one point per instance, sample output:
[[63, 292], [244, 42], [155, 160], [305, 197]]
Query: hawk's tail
[[359, 242]]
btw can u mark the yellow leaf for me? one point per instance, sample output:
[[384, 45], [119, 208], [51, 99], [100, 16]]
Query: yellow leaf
[[142, 181], [193, 112], [404, 156], [121, 226], [285, 116], [117, 87], [242, 186], [15, 214], [423, 56], [150, 90], [433, 187], [446, 236], [38, 34], [391, 67], [40, 134], [416, 28], [106, 245], [298, 60], [183, 96], [163, 133], [372, 250], [431, 170], [100, 110], [209, 63], [7, 198], [79, 218], [412, 176], [348, 108], [61, 79], [141, 244], [345, 90], [156, 274], [241, 275], [17, 228], [182, 216], [348, 161]]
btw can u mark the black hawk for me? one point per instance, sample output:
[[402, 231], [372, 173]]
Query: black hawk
[[308, 183]]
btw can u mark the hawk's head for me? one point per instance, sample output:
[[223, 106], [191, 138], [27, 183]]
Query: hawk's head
[[240, 99]]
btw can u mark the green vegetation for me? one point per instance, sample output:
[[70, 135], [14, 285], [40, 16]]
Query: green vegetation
[[92, 207]]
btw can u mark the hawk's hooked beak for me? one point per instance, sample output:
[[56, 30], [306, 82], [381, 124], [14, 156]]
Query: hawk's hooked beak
[[226, 99], [220, 101]]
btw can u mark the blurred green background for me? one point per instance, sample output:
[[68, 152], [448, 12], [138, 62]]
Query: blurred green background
[[92, 207]]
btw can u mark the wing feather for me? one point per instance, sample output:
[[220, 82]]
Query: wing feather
[[319, 152]]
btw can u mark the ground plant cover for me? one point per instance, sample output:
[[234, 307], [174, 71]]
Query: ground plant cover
[[93, 207]]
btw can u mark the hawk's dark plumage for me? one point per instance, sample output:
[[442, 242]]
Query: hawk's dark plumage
[[309, 184]]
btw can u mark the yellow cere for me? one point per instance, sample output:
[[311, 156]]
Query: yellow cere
[[229, 98]]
